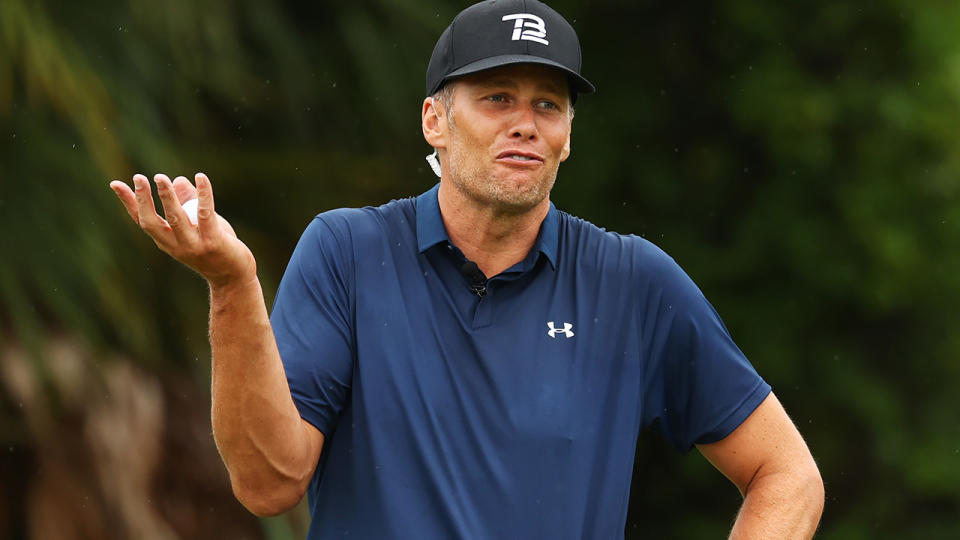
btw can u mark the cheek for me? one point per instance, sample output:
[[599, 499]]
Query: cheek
[[470, 147]]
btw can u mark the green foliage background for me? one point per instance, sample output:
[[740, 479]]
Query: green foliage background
[[800, 160]]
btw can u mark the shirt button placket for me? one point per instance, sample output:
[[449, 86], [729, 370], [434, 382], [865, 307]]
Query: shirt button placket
[[482, 313]]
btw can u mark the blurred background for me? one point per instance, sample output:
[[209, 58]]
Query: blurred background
[[800, 160]]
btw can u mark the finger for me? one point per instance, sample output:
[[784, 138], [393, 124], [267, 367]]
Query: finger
[[126, 196], [150, 221], [184, 189], [172, 211], [206, 216]]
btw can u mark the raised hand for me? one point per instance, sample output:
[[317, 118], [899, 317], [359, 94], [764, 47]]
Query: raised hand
[[210, 246]]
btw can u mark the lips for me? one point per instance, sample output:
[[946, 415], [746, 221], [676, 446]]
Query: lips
[[519, 156]]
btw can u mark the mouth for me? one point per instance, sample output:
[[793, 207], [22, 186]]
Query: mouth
[[519, 157]]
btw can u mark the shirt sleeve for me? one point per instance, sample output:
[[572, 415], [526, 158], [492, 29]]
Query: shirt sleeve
[[312, 321], [698, 386]]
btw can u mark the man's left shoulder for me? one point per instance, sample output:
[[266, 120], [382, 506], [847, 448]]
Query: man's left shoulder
[[589, 244]]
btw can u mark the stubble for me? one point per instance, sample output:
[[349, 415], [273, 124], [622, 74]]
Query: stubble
[[475, 178]]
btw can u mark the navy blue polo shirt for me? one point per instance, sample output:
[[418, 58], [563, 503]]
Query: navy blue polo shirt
[[514, 415]]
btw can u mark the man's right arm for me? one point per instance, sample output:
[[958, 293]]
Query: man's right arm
[[269, 451]]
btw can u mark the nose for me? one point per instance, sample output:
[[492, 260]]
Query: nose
[[524, 124]]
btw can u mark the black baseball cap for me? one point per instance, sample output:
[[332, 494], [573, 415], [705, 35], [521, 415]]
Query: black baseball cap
[[498, 33]]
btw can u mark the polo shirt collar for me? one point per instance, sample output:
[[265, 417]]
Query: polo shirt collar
[[431, 231]]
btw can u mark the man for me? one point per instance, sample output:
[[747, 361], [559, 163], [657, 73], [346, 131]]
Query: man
[[474, 363]]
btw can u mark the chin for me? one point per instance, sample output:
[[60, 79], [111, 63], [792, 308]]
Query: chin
[[507, 193], [513, 198]]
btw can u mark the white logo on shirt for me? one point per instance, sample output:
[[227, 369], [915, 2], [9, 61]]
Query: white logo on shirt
[[529, 27], [566, 330]]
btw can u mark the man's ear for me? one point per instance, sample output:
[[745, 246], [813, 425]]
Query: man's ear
[[432, 120], [565, 153]]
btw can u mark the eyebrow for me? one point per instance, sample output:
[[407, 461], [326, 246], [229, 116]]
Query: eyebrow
[[548, 86]]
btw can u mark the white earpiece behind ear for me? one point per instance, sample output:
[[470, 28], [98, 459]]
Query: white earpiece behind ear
[[434, 162]]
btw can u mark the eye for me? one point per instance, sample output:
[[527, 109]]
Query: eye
[[497, 98], [549, 106]]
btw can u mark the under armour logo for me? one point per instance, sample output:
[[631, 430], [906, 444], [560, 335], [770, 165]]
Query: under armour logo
[[529, 27], [567, 330]]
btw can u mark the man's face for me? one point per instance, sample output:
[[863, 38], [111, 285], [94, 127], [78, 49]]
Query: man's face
[[506, 134]]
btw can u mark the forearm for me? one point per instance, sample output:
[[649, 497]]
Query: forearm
[[256, 425], [786, 505], [268, 450]]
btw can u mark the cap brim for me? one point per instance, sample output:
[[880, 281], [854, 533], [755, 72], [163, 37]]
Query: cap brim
[[577, 83]]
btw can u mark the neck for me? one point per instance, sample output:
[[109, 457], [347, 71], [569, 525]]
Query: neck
[[493, 239]]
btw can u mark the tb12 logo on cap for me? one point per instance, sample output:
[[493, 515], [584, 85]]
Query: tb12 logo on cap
[[527, 26]]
